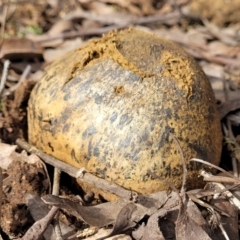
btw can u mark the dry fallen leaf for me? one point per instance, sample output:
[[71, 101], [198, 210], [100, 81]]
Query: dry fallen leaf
[[19, 48], [123, 215], [230, 224], [39, 210], [186, 227], [6, 154], [123, 221], [100, 215], [50, 55], [152, 229]]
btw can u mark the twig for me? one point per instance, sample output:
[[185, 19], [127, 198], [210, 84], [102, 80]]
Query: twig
[[221, 179], [1, 195], [143, 20], [221, 60], [214, 166], [215, 59], [233, 200], [38, 228], [56, 181], [21, 79], [3, 22], [229, 133], [55, 191], [200, 193], [232, 138], [74, 172], [4, 75], [206, 205], [218, 33], [223, 231], [184, 181]]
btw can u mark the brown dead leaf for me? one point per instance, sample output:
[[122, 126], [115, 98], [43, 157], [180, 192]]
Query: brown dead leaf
[[124, 215], [60, 26], [186, 227], [50, 55], [228, 107], [137, 7], [196, 216], [99, 7], [213, 70], [152, 229], [39, 210], [229, 224], [123, 221], [6, 154], [154, 200], [217, 32], [16, 48], [219, 48], [219, 12], [35, 232], [104, 231], [100, 215]]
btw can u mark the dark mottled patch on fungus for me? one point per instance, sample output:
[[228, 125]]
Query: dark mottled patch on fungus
[[67, 96], [98, 98], [48, 77], [91, 130], [125, 119], [96, 152], [66, 127], [113, 117]]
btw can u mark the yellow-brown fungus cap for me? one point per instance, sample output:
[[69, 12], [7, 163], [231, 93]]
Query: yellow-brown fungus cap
[[111, 105]]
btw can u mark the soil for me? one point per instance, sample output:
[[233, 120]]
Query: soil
[[21, 179]]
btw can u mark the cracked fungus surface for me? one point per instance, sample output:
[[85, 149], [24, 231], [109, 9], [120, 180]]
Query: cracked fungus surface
[[111, 105]]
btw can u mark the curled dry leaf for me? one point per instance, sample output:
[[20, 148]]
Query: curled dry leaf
[[13, 48], [124, 215], [100, 215], [219, 12], [39, 210], [219, 48], [50, 55], [152, 229], [229, 106], [6, 154], [186, 227], [230, 224], [123, 221], [38, 228]]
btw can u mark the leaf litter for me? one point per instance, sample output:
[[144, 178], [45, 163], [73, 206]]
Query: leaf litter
[[53, 27]]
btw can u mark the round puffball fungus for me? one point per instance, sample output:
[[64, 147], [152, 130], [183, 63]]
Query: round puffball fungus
[[113, 105]]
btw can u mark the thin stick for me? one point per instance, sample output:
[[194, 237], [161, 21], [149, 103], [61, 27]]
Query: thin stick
[[1, 195], [75, 172], [232, 199], [221, 179], [21, 79], [55, 191], [214, 166], [38, 228], [144, 20], [3, 23], [4, 75], [184, 165], [56, 181]]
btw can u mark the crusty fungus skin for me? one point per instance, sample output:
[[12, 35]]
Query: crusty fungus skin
[[113, 105]]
